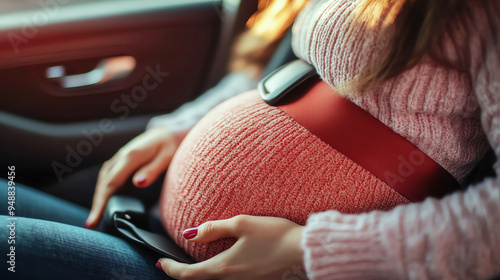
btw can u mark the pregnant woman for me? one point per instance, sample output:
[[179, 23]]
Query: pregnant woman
[[429, 70]]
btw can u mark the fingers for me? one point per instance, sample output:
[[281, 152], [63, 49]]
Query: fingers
[[181, 271], [101, 197], [148, 174], [111, 177], [155, 148], [95, 213], [172, 268], [206, 232], [266, 248], [214, 230]]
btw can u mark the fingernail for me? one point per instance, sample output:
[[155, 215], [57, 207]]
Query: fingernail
[[88, 225], [190, 233], [158, 265], [141, 179]]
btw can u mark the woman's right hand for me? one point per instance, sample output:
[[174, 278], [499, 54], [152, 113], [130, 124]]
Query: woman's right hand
[[148, 155]]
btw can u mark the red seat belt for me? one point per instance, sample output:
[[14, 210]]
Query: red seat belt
[[364, 139]]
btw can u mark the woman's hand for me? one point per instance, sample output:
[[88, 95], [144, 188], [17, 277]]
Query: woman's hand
[[148, 155], [266, 248]]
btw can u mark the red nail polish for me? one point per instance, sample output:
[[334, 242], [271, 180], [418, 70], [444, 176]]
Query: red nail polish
[[190, 233], [141, 180], [158, 265], [86, 225]]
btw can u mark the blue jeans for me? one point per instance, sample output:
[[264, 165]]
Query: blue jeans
[[50, 243]]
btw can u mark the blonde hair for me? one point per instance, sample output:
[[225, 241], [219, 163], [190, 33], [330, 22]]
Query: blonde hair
[[254, 47], [418, 25]]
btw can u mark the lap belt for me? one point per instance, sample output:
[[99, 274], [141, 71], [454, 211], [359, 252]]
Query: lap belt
[[128, 217], [297, 90]]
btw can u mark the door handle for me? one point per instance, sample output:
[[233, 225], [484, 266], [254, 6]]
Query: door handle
[[107, 70]]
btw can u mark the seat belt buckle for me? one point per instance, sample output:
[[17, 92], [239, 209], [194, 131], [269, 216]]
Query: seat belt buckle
[[283, 80], [127, 217]]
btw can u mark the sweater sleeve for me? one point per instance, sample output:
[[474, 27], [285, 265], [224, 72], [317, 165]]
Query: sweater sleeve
[[185, 117], [457, 237]]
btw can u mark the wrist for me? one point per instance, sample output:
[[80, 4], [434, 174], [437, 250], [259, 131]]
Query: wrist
[[295, 236], [179, 136], [347, 244]]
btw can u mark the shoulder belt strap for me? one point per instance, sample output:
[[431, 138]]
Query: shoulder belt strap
[[364, 139]]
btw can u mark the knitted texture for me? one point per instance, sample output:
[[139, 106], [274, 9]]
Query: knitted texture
[[427, 104], [246, 157], [438, 109]]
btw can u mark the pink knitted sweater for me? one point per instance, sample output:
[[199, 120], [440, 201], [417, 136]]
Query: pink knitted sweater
[[247, 157]]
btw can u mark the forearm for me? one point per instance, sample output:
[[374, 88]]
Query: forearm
[[185, 117], [453, 238]]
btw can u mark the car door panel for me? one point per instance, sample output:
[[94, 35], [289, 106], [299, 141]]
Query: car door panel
[[49, 131], [176, 40]]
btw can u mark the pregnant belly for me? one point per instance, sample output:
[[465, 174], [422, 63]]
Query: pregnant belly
[[246, 157]]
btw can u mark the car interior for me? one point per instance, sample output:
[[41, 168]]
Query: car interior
[[56, 71], [80, 79], [58, 68]]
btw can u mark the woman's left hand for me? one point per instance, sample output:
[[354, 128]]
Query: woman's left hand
[[266, 248]]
